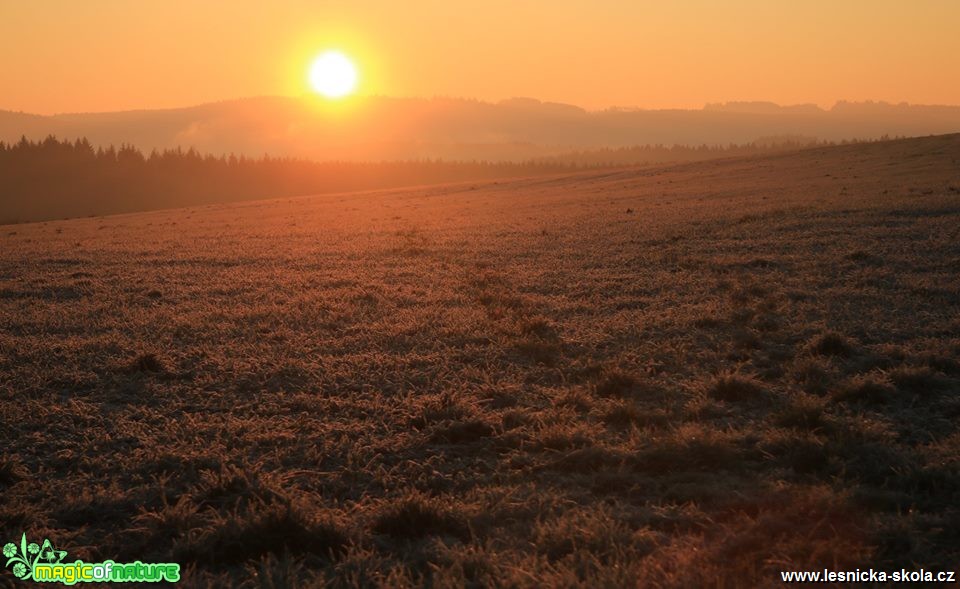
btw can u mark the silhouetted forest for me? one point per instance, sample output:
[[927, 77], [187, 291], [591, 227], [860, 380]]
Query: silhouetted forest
[[53, 179], [659, 154]]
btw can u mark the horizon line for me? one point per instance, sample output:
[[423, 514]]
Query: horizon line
[[438, 97]]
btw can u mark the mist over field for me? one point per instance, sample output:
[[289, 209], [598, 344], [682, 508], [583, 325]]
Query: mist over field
[[382, 128]]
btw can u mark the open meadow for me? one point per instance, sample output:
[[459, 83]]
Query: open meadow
[[692, 375]]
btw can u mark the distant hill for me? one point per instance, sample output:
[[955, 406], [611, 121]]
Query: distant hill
[[382, 128], [757, 107]]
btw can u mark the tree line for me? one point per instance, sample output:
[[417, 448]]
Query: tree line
[[662, 154], [53, 178]]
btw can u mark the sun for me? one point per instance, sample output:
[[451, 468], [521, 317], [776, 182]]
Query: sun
[[333, 75]]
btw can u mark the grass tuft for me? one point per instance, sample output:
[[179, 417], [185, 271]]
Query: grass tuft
[[539, 352], [626, 413], [615, 383], [415, 517], [148, 362], [12, 471], [813, 374], [871, 388], [276, 529], [735, 387], [831, 343], [805, 413], [918, 380], [691, 449], [461, 432]]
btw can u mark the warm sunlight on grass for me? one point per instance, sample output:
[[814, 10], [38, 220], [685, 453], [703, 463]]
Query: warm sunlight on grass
[[692, 375], [333, 75]]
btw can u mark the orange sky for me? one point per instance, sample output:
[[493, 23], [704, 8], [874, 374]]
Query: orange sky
[[98, 55]]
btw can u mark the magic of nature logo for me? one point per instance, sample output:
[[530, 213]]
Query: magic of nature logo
[[43, 563]]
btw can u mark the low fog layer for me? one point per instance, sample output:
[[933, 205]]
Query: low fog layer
[[380, 128]]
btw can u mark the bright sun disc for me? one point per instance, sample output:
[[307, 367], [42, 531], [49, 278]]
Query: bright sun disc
[[333, 75]]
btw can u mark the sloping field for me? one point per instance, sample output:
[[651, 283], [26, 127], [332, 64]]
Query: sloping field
[[696, 375]]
